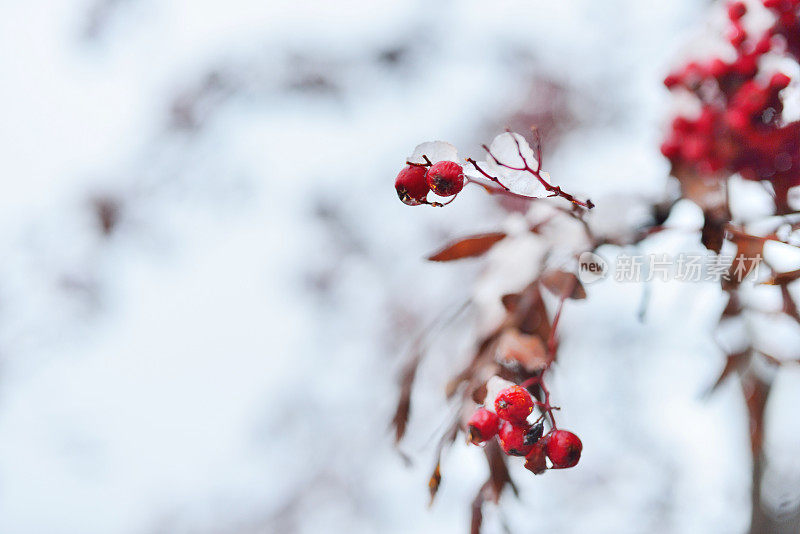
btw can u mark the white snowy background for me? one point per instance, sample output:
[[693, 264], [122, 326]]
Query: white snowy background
[[224, 359]]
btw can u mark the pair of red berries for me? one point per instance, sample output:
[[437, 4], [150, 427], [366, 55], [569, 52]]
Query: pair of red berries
[[445, 178], [509, 422]]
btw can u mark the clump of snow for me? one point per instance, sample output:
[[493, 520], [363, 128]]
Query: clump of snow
[[493, 388]]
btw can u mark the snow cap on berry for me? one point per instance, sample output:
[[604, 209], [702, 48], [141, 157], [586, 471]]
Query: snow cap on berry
[[514, 404], [493, 387], [435, 151]]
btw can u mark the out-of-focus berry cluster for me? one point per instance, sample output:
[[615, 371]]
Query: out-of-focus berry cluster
[[740, 127]]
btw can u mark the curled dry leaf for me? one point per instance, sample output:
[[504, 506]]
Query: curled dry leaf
[[756, 391], [713, 232], [563, 284], [749, 252], [531, 314], [401, 414], [510, 301], [434, 482], [789, 304], [733, 362], [528, 351], [436, 477], [708, 193], [783, 278], [468, 247]]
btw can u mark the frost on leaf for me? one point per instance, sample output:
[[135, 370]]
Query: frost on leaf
[[511, 160], [435, 151]]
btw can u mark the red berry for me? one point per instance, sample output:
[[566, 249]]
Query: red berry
[[670, 149], [694, 71], [764, 44], [779, 81], [411, 185], [737, 35], [512, 439], [672, 80], [535, 459], [514, 404], [718, 68], [446, 178], [681, 124], [482, 426], [747, 65], [564, 448], [710, 165], [705, 122], [779, 5], [737, 119], [695, 147], [736, 10]]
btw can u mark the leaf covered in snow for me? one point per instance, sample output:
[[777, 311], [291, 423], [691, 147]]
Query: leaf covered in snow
[[509, 156]]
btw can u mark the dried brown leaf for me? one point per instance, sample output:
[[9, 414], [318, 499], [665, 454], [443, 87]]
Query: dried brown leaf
[[403, 410], [733, 363], [707, 193], [789, 304], [434, 482], [436, 477], [531, 314], [713, 233], [756, 391], [477, 510], [783, 278], [468, 247], [528, 351], [733, 307], [563, 284], [749, 252], [510, 301], [499, 476]]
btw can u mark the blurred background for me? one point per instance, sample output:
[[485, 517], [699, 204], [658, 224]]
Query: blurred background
[[208, 283]]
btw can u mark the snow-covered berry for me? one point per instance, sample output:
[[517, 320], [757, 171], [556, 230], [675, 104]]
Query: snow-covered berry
[[512, 439], [514, 404], [446, 178], [564, 448], [411, 185], [482, 426]]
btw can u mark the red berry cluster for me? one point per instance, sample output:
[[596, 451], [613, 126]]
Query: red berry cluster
[[740, 128], [445, 178], [509, 422], [513, 168]]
